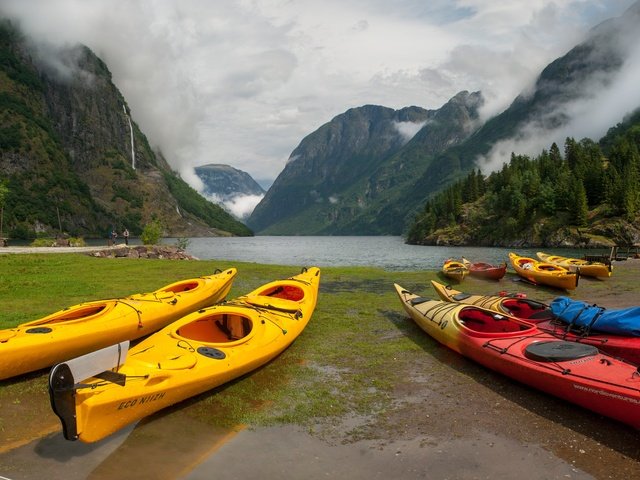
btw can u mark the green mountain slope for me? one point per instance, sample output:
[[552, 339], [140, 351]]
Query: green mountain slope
[[588, 196], [394, 184], [342, 178], [65, 157]]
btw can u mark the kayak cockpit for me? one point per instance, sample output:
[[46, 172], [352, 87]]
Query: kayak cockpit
[[217, 328], [286, 292], [78, 312], [525, 308], [480, 321], [179, 287]]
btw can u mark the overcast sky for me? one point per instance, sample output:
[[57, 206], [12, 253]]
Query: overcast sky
[[242, 82]]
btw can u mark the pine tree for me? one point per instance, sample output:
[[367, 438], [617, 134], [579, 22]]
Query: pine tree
[[579, 210]]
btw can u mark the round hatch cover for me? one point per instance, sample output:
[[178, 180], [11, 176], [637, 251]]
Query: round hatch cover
[[38, 330], [211, 353], [559, 351]]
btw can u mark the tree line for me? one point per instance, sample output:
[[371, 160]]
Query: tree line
[[587, 179]]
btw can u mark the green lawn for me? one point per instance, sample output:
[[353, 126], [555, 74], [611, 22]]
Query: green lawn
[[357, 349]]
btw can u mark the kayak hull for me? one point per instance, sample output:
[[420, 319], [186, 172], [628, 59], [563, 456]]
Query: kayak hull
[[521, 351], [455, 270], [486, 270], [542, 273], [539, 313], [590, 269], [197, 353], [90, 326]]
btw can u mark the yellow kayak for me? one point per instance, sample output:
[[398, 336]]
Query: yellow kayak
[[89, 326], [543, 273], [591, 269], [194, 354], [455, 270]]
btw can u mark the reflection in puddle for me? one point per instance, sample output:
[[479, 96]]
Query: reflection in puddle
[[165, 446], [175, 446], [289, 452]]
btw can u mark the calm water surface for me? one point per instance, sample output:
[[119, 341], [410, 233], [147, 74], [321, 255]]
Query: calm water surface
[[389, 252]]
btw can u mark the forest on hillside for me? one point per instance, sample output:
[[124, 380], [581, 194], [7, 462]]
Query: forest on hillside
[[535, 197]]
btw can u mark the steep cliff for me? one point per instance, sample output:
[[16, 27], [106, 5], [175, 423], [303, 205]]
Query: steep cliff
[[73, 159], [343, 177]]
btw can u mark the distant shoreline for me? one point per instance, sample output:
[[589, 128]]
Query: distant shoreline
[[27, 250]]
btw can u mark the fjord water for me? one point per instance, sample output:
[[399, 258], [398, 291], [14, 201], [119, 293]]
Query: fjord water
[[387, 252]]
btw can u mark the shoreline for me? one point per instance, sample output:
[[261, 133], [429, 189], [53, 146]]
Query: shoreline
[[108, 251], [19, 250]]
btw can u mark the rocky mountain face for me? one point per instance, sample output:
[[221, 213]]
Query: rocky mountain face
[[227, 182], [73, 159], [358, 175], [234, 190], [567, 81], [343, 177]]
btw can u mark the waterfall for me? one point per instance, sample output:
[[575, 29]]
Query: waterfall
[[133, 153]]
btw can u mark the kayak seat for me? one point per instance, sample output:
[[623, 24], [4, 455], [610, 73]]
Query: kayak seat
[[181, 287], [558, 351], [217, 328], [287, 292], [75, 313], [484, 321], [523, 308]]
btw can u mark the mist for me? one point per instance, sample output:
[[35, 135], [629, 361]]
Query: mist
[[242, 83], [603, 101], [240, 206]]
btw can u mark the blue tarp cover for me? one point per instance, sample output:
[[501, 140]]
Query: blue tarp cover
[[625, 321]]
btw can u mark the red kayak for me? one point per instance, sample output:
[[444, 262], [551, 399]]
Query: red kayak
[[575, 372], [539, 313], [485, 270]]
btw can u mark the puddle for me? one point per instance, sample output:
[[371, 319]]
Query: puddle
[[289, 452], [164, 447], [175, 446]]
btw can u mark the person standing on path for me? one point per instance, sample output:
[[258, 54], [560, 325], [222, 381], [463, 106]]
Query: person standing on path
[[125, 234]]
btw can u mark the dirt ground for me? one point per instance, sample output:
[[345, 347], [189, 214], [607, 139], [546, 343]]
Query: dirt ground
[[451, 419]]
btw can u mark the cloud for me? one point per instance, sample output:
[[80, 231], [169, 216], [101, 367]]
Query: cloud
[[407, 130], [243, 82], [241, 206], [604, 100]]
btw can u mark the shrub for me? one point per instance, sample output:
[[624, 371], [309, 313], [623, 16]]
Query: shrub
[[43, 242], [151, 233]]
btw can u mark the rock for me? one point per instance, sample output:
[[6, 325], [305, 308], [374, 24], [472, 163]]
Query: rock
[[168, 252]]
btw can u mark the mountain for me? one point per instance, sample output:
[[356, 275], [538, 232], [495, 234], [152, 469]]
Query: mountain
[[381, 190], [340, 179], [567, 81], [588, 197], [231, 188], [72, 158]]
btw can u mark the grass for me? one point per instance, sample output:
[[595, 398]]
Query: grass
[[357, 350]]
